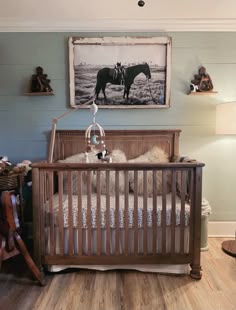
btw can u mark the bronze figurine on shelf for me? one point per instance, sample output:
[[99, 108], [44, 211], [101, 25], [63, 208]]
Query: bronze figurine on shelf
[[39, 82], [202, 81]]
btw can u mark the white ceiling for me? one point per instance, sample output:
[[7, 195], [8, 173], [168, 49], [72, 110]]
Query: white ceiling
[[110, 15]]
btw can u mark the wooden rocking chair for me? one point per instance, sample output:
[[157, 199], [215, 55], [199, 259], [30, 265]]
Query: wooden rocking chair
[[10, 233]]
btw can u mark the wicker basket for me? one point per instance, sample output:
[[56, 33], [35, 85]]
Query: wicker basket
[[8, 182]]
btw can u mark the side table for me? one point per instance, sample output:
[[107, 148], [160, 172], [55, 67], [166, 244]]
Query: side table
[[229, 247]]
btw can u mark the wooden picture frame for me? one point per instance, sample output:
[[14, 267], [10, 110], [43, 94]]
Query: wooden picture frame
[[142, 79]]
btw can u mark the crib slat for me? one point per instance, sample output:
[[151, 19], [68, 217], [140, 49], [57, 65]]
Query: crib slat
[[46, 194], [80, 240], [43, 212], [98, 217], [60, 213], [126, 213], [154, 215], [136, 212], [117, 206], [70, 222], [145, 212], [89, 229], [191, 219], [173, 209], [163, 213], [51, 218], [108, 227], [182, 212]]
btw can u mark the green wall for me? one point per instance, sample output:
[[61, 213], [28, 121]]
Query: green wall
[[25, 121]]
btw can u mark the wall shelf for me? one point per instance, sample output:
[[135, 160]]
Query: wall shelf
[[40, 94], [202, 93]]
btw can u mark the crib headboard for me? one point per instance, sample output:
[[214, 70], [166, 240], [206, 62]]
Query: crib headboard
[[132, 142]]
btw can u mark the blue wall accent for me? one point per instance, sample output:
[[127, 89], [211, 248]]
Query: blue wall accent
[[25, 121]]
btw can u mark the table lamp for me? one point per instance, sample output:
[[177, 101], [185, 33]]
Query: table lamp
[[226, 125]]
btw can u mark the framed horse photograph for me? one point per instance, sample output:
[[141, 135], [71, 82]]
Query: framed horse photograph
[[120, 72]]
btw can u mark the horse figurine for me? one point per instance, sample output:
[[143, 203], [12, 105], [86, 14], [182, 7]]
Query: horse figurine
[[106, 75]]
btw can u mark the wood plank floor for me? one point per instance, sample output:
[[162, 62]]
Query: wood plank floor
[[128, 290]]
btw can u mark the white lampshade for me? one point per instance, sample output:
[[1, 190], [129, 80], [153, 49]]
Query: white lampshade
[[226, 118]]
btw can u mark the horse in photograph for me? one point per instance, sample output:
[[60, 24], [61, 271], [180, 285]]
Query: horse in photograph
[[106, 75]]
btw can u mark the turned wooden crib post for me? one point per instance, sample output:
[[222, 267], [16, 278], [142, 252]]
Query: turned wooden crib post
[[175, 145], [196, 204], [36, 217]]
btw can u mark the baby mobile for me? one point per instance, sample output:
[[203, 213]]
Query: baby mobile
[[95, 137]]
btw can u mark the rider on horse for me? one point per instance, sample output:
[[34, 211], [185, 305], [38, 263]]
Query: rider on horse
[[119, 73]]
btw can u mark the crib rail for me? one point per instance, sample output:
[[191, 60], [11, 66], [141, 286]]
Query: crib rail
[[168, 231]]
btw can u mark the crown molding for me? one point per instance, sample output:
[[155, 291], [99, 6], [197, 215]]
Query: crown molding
[[118, 25]]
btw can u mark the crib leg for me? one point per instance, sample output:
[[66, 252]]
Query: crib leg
[[196, 272]]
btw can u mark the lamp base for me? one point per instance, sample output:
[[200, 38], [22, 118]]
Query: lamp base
[[229, 247]]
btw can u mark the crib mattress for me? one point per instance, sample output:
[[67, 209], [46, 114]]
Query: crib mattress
[[112, 211]]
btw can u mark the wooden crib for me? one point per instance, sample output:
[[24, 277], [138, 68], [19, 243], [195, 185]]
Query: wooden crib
[[96, 226]]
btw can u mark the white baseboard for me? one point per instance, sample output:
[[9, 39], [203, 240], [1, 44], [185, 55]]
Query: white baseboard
[[221, 229]]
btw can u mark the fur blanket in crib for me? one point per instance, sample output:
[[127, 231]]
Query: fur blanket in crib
[[155, 155]]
